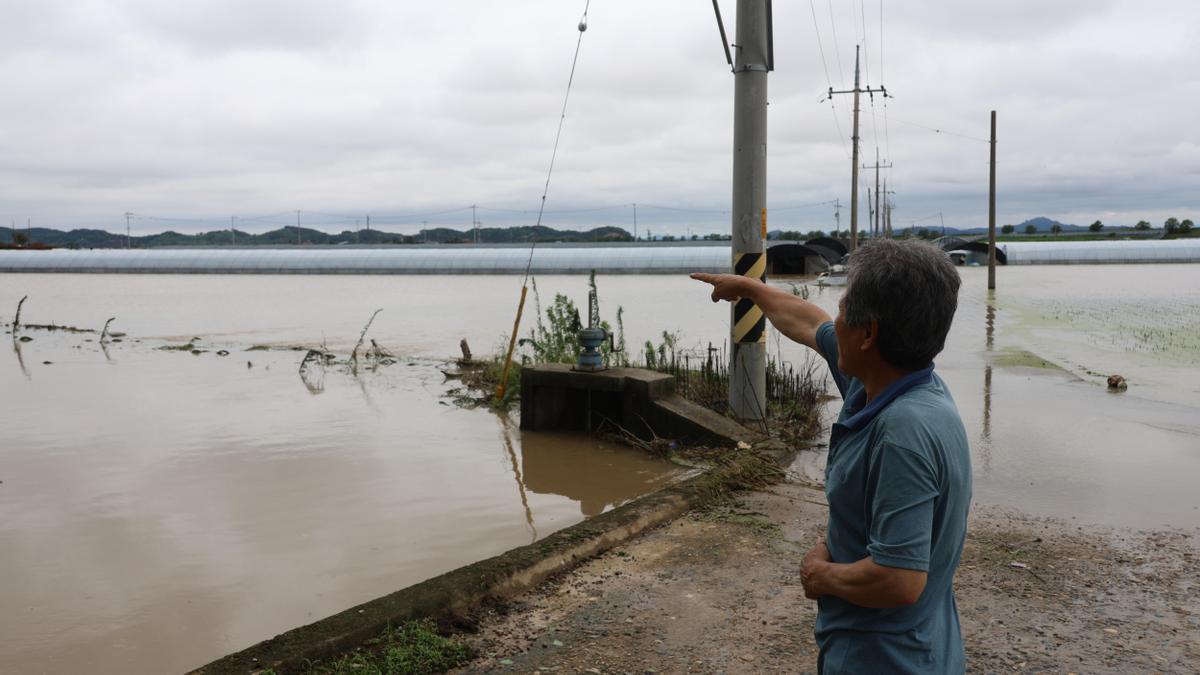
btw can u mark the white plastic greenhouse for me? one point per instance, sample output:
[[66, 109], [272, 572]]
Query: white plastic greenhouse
[[1097, 252], [406, 260]]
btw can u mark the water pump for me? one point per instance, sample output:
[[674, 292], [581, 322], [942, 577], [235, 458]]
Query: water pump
[[592, 338]]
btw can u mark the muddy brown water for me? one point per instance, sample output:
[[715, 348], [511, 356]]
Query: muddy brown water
[[159, 509]]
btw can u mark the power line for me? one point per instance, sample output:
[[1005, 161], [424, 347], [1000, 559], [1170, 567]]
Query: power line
[[405, 216], [684, 210], [558, 135], [836, 49], [332, 215], [804, 206], [832, 106], [557, 211], [881, 41], [268, 216], [943, 131], [887, 136]]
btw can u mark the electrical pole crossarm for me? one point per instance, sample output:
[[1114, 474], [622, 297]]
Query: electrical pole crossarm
[[866, 90]]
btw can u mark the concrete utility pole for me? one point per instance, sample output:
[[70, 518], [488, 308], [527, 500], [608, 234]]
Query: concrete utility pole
[[876, 223], [870, 212], [635, 221], [297, 227], [887, 213], [128, 235], [854, 155], [474, 224], [837, 215], [747, 368], [888, 206], [232, 225], [992, 211]]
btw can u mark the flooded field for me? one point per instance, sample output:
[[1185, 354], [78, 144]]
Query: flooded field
[[162, 508]]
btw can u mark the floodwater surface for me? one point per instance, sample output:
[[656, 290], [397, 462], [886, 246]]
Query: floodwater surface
[[161, 508]]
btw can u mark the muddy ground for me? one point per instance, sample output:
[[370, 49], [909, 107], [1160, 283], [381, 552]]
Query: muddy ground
[[718, 590]]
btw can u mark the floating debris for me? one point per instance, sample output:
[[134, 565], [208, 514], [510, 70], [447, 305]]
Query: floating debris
[[177, 348]]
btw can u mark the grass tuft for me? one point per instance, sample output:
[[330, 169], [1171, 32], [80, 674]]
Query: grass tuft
[[414, 648]]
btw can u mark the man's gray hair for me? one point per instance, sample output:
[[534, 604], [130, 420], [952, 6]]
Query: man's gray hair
[[909, 287]]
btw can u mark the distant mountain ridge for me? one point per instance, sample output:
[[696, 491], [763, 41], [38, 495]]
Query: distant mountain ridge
[[93, 238]]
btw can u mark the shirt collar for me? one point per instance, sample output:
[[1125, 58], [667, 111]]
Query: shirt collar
[[863, 415]]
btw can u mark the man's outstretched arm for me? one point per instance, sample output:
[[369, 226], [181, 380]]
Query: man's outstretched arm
[[795, 317]]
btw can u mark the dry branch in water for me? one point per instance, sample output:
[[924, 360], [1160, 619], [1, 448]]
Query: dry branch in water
[[104, 332], [312, 355], [361, 337], [17, 318]]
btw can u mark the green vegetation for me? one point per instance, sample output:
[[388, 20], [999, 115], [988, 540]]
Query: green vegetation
[[1020, 358], [1007, 229], [1096, 226], [701, 375], [415, 648]]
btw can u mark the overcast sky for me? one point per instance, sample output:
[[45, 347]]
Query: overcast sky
[[340, 108]]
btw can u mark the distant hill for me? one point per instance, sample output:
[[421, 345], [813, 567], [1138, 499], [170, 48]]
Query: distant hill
[[91, 238]]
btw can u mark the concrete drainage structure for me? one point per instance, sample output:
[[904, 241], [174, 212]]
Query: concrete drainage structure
[[643, 402]]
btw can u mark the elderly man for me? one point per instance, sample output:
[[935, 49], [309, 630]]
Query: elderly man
[[898, 475]]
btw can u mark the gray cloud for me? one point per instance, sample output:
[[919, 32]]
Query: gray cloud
[[204, 110]]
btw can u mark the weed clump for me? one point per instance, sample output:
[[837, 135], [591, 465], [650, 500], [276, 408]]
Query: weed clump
[[415, 648]]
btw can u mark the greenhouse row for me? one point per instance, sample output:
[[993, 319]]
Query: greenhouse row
[[786, 259], [449, 260]]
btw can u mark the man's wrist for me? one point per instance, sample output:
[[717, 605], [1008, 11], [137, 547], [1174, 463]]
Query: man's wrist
[[819, 577]]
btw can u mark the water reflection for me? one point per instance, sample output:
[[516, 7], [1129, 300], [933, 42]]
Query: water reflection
[[985, 437], [20, 360], [506, 434], [312, 378], [581, 468]]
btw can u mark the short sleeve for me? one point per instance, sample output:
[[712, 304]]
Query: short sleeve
[[903, 488], [828, 347]]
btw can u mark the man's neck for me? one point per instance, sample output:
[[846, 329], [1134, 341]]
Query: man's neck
[[879, 377]]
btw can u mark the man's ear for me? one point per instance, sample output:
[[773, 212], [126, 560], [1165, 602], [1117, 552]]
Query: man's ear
[[870, 335]]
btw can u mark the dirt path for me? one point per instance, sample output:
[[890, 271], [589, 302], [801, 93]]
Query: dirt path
[[719, 591]]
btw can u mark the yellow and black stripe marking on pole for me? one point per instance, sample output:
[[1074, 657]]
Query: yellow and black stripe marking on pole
[[749, 324]]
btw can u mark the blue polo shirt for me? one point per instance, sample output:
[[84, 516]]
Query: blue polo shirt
[[898, 481]]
